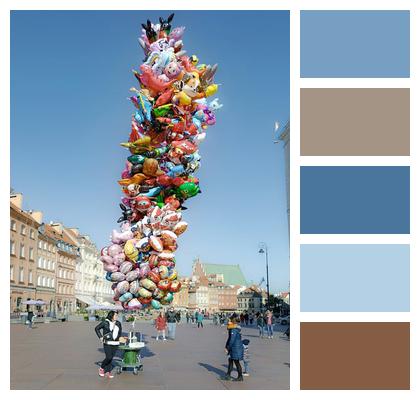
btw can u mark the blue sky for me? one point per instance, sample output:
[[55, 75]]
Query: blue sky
[[70, 79]]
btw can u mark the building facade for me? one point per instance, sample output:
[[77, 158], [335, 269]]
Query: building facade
[[67, 257], [252, 299], [90, 286], [46, 270], [23, 254], [181, 298]]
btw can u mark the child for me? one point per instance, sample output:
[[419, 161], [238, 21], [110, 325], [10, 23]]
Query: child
[[245, 342], [234, 348], [160, 325]]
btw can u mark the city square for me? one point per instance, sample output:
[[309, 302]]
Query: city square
[[66, 356], [132, 229]]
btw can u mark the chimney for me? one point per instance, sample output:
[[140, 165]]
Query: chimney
[[17, 200], [37, 216], [58, 227]]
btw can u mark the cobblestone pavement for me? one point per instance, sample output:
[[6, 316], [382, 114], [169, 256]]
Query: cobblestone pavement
[[64, 355]]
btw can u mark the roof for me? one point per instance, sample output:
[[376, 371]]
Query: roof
[[24, 213], [232, 274]]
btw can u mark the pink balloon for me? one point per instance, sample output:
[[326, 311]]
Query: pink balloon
[[114, 249]]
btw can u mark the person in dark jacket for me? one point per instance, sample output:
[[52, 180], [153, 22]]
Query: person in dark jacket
[[171, 319], [111, 338], [30, 318], [234, 348]]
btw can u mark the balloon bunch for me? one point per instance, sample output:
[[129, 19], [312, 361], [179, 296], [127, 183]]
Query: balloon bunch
[[171, 118]]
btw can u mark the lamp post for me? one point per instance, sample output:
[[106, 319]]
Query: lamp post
[[264, 249]]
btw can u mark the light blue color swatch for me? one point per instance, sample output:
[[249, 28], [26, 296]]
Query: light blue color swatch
[[355, 44], [355, 278]]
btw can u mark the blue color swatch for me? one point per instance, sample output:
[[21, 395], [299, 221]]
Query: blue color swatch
[[352, 278], [355, 200], [355, 44]]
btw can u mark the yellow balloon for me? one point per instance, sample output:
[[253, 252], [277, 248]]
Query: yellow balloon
[[184, 99], [131, 251], [211, 89]]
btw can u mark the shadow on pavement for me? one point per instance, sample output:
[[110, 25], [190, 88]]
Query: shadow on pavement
[[210, 368]]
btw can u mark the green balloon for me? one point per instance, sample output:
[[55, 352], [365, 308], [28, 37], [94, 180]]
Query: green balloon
[[136, 159], [187, 190]]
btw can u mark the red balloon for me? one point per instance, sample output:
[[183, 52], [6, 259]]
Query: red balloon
[[164, 285], [175, 286], [153, 276]]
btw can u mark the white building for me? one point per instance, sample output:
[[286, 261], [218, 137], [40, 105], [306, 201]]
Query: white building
[[90, 286]]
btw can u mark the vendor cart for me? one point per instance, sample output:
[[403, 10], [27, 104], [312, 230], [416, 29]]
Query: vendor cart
[[131, 358]]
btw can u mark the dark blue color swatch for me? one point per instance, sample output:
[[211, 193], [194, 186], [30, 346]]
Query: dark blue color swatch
[[355, 44], [355, 200]]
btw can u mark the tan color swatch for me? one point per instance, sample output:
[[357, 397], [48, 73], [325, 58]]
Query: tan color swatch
[[355, 122], [355, 355]]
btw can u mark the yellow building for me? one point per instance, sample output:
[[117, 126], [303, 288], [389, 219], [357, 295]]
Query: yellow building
[[23, 254]]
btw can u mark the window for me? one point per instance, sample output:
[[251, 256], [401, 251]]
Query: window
[[23, 229], [22, 251], [12, 247], [12, 273], [45, 245], [53, 265], [60, 273], [30, 277], [13, 225], [31, 253], [18, 302], [49, 264], [52, 282], [39, 281], [32, 234], [45, 263], [20, 275], [44, 281], [48, 282]]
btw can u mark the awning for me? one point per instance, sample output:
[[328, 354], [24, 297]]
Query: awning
[[86, 299]]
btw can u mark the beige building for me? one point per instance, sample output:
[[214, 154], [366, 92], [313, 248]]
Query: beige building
[[90, 286], [46, 269], [67, 255], [181, 298], [23, 254], [252, 299]]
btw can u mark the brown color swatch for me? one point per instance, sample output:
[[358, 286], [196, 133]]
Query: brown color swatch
[[355, 355], [355, 122]]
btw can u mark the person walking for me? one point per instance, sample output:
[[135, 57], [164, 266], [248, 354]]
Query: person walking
[[30, 318], [160, 324], [234, 348], [260, 324], [247, 358], [269, 322], [199, 318], [188, 317], [215, 319], [111, 338], [251, 318], [171, 320], [246, 318]]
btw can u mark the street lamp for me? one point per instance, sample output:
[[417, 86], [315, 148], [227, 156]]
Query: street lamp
[[264, 249]]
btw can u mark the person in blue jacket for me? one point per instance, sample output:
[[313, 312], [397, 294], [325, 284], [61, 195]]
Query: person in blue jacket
[[234, 348]]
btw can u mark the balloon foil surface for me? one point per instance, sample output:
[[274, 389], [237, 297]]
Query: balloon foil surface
[[172, 112]]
